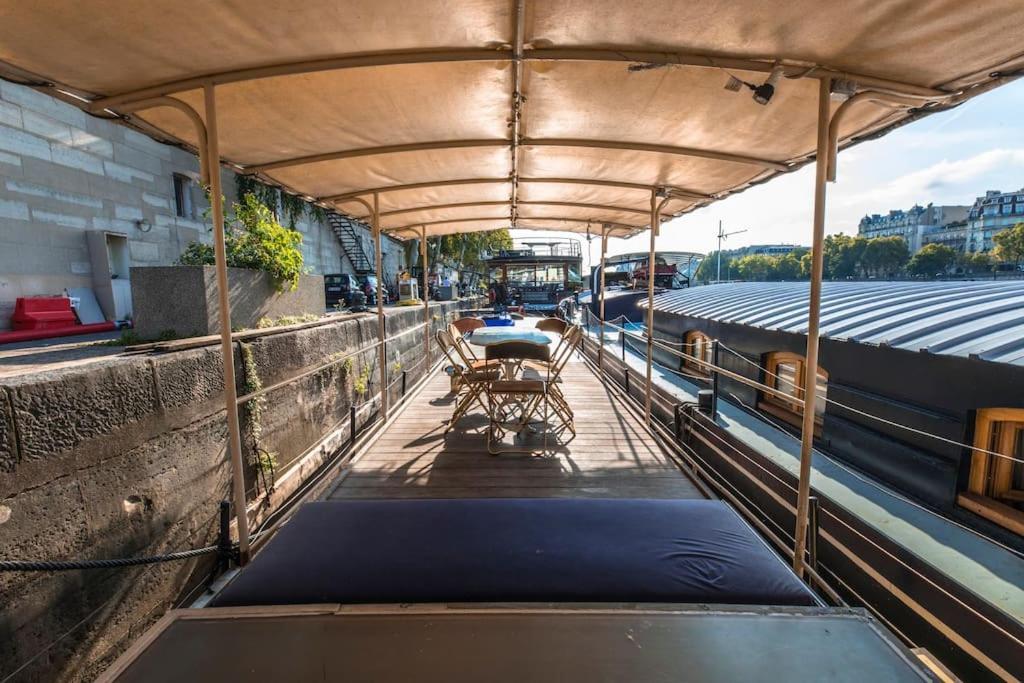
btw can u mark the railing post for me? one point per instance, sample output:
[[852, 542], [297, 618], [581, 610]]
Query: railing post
[[600, 328], [403, 382], [622, 342], [382, 357], [626, 375], [224, 308], [813, 319], [714, 380], [677, 421], [813, 511], [224, 538], [352, 424]]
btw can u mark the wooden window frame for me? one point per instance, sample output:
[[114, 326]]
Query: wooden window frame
[[690, 339], [779, 407], [978, 498]]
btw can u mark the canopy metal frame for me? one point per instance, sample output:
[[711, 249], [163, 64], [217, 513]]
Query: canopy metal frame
[[904, 97]]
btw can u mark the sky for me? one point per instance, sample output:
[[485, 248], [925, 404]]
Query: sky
[[946, 158]]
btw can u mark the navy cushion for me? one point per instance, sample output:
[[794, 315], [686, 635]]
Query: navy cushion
[[516, 550]]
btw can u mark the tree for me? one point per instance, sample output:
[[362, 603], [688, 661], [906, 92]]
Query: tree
[[884, 256], [787, 267], [1010, 244], [932, 260], [707, 271], [842, 255], [974, 263], [755, 267], [464, 250]]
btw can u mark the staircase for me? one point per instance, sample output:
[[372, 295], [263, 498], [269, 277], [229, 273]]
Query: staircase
[[346, 231]]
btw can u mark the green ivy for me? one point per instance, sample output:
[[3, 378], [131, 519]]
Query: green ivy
[[262, 459], [254, 239], [362, 383], [293, 207]]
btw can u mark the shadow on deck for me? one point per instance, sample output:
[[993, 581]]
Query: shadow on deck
[[612, 455]]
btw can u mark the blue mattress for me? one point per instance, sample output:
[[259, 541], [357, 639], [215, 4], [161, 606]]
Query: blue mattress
[[516, 550]]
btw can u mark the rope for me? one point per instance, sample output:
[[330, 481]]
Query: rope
[[60, 566]]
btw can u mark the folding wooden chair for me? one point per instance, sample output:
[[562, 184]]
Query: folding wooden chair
[[511, 403], [552, 325], [554, 396], [472, 380], [458, 329]]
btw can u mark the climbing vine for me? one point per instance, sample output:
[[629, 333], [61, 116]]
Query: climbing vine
[[292, 207], [263, 460]]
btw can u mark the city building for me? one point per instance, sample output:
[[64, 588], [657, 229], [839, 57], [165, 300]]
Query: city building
[[911, 224], [65, 175], [953, 235], [991, 214], [762, 250]]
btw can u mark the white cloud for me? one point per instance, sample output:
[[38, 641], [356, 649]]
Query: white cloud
[[946, 181]]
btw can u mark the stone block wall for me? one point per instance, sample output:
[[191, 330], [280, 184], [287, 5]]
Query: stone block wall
[[63, 172], [125, 457]]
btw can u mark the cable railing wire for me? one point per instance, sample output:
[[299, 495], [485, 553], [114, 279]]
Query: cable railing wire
[[877, 418], [799, 401]]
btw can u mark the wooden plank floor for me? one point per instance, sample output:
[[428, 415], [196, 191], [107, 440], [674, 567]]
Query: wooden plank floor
[[611, 456]]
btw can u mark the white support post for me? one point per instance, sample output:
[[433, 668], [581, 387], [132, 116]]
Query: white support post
[[425, 295], [600, 327], [381, 326], [655, 210], [813, 316], [220, 261]]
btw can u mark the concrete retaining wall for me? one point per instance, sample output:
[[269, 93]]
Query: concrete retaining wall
[[183, 299], [125, 457]]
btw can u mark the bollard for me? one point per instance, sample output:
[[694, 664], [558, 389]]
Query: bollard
[[705, 400]]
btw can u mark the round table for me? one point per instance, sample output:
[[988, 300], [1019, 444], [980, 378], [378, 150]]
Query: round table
[[486, 336]]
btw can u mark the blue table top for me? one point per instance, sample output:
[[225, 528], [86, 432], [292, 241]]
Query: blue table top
[[485, 336]]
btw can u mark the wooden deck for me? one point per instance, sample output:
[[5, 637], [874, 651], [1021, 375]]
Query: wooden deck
[[611, 457]]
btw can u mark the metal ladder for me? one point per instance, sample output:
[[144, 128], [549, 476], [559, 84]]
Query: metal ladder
[[345, 230]]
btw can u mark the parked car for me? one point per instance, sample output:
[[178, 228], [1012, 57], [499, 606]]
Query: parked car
[[339, 288], [368, 284]]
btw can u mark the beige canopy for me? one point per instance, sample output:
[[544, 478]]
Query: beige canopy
[[469, 115], [464, 115]]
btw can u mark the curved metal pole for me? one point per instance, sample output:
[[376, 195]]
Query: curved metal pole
[[840, 114], [580, 143], [656, 208], [813, 318], [506, 202], [193, 115], [677, 192], [381, 331], [425, 294], [500, 222], [548, 54], [224, 306], [600, 323]]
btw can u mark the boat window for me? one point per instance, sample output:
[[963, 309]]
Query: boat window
[[784, 372], [697, 345], [996, 486]]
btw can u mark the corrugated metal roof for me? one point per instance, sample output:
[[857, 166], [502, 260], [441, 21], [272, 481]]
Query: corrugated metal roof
[[983, 319]]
